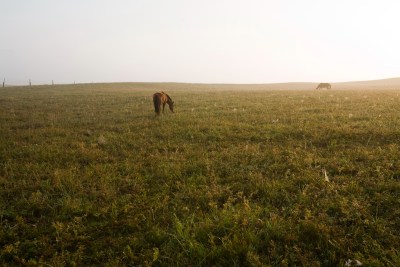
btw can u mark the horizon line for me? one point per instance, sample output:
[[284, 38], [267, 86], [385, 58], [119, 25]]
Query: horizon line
[[31, 82]]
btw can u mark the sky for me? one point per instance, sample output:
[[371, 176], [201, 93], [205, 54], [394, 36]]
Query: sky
[[198, 41]]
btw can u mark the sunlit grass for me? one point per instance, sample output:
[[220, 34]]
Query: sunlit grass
[[90, 176]]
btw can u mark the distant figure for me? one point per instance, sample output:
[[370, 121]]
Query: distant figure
[[162, 98], [323, 85]]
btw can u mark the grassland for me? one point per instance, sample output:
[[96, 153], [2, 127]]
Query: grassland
[[89, 176]]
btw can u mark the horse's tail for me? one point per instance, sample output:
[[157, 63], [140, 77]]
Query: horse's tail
[[157, 103]]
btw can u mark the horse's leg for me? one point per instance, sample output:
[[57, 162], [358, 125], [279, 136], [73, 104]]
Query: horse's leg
[[159, 108], [163, 106]]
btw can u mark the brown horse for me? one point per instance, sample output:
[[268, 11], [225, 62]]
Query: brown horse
[[324, 85], [162, 99]]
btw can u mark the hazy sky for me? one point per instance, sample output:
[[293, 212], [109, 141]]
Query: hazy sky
[[207, 41]]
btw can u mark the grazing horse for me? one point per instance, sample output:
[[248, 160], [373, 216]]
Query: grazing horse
[[162, 99], [323, 85]]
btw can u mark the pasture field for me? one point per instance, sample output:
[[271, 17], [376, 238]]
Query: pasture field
[[90, 176]]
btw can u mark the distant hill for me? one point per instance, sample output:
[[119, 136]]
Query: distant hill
[[392, 83], [389, 84]]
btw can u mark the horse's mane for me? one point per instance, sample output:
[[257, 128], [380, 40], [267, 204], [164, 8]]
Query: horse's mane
[[166, 95]]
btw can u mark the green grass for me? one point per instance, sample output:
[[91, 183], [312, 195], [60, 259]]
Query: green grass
[[90, 176]]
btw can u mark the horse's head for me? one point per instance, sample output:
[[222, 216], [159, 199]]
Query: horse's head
[[171, 105]]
